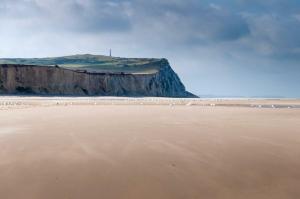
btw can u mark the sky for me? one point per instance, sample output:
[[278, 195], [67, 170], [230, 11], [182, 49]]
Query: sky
[[248, 48]]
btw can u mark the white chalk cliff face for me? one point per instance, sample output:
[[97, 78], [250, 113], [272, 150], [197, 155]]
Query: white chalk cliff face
[[56, 80]]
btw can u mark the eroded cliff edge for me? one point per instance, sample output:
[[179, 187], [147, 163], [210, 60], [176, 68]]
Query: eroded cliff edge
[[54, 80]]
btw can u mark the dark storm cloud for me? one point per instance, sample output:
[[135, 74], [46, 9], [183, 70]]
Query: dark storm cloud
[[275, 35], [279, 6], [99, 16], [67, 15], [195, 19], [267, 28]]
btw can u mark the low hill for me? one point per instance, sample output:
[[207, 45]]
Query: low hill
[[92, 63], [91, 75]]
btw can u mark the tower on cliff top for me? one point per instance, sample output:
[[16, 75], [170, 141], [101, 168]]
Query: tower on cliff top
[[110, 52]]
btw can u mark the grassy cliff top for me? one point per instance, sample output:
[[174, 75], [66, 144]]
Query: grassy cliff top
[[92, 63]]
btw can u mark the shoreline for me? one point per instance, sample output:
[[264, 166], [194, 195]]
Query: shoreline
[[31, 101]]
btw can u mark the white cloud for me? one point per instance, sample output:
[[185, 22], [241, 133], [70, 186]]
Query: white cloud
[[215, 6]]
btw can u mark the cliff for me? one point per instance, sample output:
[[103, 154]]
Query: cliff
[[149, 78]]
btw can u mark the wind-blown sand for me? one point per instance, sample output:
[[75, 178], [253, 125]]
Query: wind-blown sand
[[59, 148]]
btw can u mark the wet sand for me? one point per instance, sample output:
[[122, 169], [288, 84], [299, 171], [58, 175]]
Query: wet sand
[[64, 148]]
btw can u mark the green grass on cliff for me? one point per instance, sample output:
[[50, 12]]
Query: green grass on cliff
[[92, 63]]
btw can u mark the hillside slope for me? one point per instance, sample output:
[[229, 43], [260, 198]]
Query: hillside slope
[[92, 63]]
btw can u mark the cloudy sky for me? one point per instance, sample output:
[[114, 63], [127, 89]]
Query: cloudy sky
[[218, 47]]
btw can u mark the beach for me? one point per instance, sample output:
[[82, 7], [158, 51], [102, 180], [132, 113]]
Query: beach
[[133, 148]]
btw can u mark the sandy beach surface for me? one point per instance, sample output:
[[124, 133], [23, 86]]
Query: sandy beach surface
[[149, 148]]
